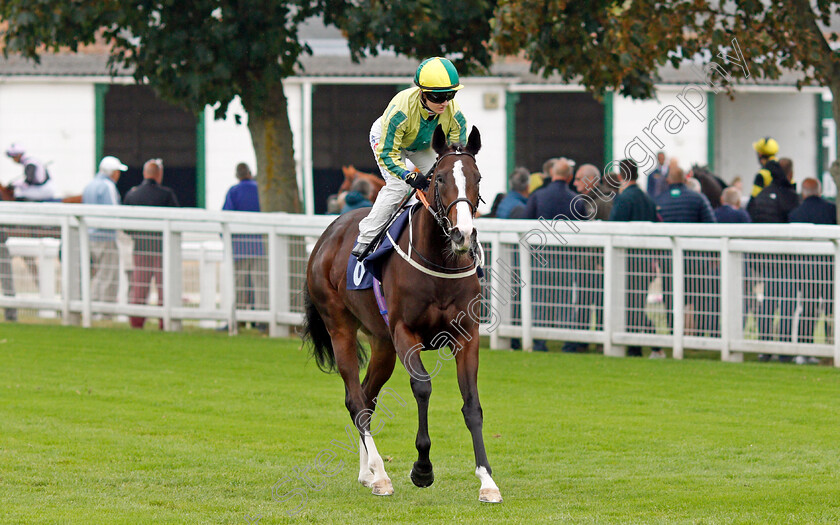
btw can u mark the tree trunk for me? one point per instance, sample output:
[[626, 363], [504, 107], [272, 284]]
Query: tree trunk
[[835, 164], [272, 137]]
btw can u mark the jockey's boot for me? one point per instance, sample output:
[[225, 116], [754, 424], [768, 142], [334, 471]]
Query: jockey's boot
[[358, 250]]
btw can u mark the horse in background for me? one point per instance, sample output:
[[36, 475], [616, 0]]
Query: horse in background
[[351, 174]]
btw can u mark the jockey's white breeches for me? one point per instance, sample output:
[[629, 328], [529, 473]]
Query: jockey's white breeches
[[395, 189], [42, 192]]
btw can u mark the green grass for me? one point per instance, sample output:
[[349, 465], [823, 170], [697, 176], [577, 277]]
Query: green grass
[[115, 426]]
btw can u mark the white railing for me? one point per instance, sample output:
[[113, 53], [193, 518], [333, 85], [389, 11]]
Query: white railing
[[728, 288]]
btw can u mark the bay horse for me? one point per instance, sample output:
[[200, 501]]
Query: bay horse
[[351, 174], [424, 298]]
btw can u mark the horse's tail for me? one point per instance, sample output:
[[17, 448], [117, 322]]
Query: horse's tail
[[315, 332]]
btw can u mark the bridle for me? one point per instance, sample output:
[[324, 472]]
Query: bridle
[[443, 218], [443, 221]]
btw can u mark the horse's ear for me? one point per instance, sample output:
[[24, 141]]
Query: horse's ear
[[439, 140], [474, 141]]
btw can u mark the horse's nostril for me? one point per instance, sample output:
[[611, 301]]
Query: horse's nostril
[[457, 236]]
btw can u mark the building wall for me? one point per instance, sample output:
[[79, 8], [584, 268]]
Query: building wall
[[54, 121], [228, 143], [790, 118], [678, 130], [492, 124]]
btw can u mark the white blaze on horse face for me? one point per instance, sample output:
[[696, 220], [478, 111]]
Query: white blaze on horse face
[[463, 215]]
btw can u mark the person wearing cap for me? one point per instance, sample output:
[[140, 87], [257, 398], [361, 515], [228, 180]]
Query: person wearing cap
[[404, 131], [766, 149], [104, 255], [36, 184]]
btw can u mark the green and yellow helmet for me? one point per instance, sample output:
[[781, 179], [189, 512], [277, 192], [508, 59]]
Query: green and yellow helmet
[[438, 75]]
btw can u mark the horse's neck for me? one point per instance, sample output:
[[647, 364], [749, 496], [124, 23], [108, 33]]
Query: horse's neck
[[429, 240]]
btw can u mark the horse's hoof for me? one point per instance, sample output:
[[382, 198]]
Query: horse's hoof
[[382, 487], [366, 481], [489, 496], [420, 478]]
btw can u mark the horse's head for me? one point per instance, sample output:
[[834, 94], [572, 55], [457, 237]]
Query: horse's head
[[350, 174], [454, 188]]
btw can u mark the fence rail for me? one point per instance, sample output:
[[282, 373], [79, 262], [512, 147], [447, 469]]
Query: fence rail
[[768, 289]]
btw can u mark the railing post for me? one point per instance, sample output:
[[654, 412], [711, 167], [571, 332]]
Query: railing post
[[836, 313], [70, 260], [498, 275], [278, 282], [525, 265], [84, 266], [172, 281], [678, 280], [228, 280], [613, 298], [731, 302], [207, 281]]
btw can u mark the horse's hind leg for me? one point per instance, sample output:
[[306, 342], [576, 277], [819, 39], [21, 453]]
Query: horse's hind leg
[[380, 368], [344, 346], [409, 345]]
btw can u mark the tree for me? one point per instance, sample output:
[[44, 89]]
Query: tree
[[418, 29], [619, 45], [192, 54]]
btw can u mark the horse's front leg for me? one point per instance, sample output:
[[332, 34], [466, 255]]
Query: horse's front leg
[[409, 346], [467, 362]]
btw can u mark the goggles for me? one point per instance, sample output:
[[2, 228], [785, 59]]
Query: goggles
[[439, 97]]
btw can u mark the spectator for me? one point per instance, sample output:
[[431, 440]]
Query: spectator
[[7, 282], [633, 204], [333, 207], [738, 183], [556, 201], [104, 254], [814, 209], [543, 178], [679, 204], [36, 184], [589, 273], [249, 263], [148, 246], [730, 210], [517, 197], [358, 196], [599, 199], [815, 274], [773, 204], [656, 181], [694, 185]]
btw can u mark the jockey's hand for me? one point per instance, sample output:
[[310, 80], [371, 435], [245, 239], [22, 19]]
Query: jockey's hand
[[417, 180]]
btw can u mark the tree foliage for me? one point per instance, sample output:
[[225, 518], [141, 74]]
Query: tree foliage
[[418, 29], [193, 54], [619, 45]]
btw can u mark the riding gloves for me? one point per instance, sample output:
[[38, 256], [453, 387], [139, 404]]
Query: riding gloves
[[417, 180]]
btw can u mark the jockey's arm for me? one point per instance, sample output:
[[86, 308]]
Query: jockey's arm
[[389, 149], [458, 128]]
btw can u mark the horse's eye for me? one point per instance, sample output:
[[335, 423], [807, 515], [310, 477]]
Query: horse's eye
[[441, 180]]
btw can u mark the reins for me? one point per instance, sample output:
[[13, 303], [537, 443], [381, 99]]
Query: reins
[[443, 221]]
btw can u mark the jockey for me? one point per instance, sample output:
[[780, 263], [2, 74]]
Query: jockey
[[404, 132], [766, 149], [36, 184]]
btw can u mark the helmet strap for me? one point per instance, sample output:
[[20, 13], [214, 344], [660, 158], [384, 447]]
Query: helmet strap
[[423, 102]]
